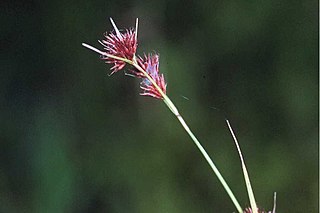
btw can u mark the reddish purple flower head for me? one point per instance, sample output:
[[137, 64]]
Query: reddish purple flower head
[[150, 64], [120, 48], [123, 45]]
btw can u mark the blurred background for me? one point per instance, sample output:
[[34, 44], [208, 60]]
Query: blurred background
[[75, 140]]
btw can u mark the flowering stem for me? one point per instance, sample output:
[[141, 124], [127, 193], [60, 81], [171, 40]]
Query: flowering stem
[[245, 172], [175, 111], [210, 162]]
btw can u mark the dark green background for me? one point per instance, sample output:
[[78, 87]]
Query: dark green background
[[75, 140]]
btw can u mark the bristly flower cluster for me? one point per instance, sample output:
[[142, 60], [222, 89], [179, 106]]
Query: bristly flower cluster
[[150, 64], [124, 45]]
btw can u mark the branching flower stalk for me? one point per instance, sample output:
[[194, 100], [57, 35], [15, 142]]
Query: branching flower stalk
[[120, 49]]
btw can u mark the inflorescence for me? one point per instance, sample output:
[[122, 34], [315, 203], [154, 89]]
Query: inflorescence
[[120, 48]]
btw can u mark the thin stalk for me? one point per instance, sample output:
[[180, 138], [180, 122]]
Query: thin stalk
[[211, 164], [245, 172], [106, 54], [274, 202], [175, 111]]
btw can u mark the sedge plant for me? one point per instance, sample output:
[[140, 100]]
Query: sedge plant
[[120, 48]]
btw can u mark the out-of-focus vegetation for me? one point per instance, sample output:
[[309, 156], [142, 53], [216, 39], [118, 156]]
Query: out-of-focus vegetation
[[75, 140]]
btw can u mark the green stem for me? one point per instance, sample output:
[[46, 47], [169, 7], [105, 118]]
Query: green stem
[[175, 111], [210, 162]]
